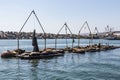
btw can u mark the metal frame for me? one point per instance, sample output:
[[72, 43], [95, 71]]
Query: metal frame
[[32, 12], [66, 27], [85, 23]]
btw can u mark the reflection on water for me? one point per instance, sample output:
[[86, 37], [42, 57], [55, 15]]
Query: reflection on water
[[102, 65], [34, 69]]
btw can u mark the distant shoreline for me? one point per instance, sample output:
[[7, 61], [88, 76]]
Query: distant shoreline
[[28, 35]]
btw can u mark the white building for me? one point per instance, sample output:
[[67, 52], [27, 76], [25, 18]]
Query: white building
[[1, 34]]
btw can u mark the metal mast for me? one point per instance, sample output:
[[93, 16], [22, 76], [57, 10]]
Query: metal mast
[[32, 12], [86, 23], [66, 27]]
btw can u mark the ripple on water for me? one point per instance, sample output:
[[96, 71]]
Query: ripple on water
[[102, 65]]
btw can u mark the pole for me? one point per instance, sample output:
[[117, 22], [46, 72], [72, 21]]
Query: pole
[[18, 43], [66, 37], [56, 42], [41, 27], [57, 35], [79, 39], [70, 32], [79, 33], [45, 40], [90, 41], [21, 30], [72, 41], [26, 22]]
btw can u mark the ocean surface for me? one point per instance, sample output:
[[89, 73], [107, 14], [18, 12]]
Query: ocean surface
[[104, 65]]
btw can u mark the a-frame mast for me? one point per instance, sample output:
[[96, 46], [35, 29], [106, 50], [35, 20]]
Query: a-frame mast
[[66, 27], [32, 12]]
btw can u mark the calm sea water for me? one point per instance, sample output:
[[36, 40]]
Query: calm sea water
[[104, 65]]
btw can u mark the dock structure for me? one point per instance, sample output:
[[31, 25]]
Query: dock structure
[[80, 49], [50, 52], [91, 37], [35, 53], [32, 12], [54, 52], [66, 31]]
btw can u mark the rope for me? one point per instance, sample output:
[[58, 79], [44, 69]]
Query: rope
[[66, 37]]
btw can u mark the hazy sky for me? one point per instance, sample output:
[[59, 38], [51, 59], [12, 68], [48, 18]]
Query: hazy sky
[[54, 13]]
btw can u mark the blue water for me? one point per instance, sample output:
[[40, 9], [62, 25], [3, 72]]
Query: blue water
[[104, 65]]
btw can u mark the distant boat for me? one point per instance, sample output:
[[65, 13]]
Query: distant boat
[[112, 38], [111, 34], [95, 36]]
